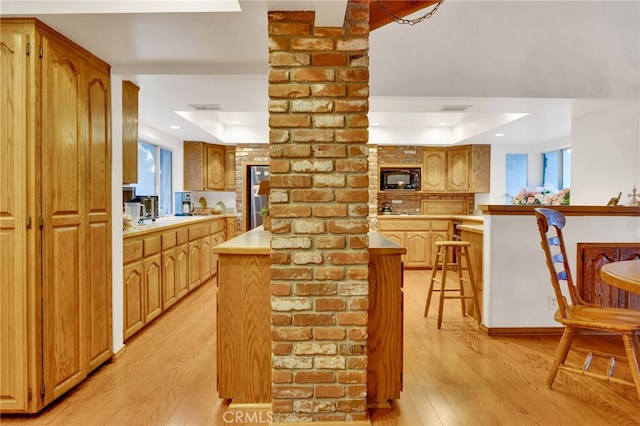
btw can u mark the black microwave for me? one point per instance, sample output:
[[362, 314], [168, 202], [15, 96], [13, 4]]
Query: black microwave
[[400, 178]]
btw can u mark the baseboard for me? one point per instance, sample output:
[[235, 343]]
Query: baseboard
[[118, 354], [506, 331]]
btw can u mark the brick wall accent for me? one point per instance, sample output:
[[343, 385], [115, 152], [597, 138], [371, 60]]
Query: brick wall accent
[[318, 105], [402, 202]]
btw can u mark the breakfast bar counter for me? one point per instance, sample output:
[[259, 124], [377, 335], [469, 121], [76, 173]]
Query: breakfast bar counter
[[244, 319]]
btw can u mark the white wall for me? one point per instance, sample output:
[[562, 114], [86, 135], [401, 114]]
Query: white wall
[[117, 306], [517, 286], [605, 148], [605, 155]]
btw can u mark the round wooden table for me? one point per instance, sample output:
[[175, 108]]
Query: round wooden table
[[624, 275]]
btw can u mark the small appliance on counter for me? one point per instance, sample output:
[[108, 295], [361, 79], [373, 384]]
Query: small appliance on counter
[[151, 205], [386, 208], [184, 206]]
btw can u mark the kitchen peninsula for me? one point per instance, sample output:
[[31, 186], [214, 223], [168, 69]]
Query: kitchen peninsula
[[518, 297], [245, 314]]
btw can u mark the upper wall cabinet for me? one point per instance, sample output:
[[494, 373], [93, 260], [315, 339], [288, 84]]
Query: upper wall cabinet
[[462, 168], [204, 167], [129, 132], [230, 168]]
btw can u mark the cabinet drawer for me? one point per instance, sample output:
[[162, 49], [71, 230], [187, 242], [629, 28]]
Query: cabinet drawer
[[182, 235], [404, 224], [168, 240], [198, 231], [217, 225], [152, 245], [131, 250], [440, 225]]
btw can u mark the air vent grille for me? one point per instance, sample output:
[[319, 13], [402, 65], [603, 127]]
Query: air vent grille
[[205, 107], [455, 108]]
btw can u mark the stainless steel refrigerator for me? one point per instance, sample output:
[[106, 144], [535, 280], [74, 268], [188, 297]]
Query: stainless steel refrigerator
[[255, 202]]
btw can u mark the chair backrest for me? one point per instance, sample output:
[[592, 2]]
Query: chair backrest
[[550, 224]]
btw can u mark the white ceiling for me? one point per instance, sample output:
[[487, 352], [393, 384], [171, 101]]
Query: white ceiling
[[524, 68]]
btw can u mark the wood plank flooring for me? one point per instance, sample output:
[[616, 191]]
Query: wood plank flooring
[[454, 376]]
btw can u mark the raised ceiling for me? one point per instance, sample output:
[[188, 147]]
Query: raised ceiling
[[523, 68]]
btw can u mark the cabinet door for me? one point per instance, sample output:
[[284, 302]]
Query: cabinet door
[[194, 160], [13, 217], [169, 278], [63, 160], [230, 168], [418, 249], [458, 163], [129, 132], [182, 270], [436, 236], [99, 216], [630, 253], [152, 287], [591, 287], [205, 245], [231, 228], [215, 167], [195, 263], [133, 298], [434, 171], [397, 237]]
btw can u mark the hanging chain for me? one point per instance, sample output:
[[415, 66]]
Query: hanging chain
[[410, 21]]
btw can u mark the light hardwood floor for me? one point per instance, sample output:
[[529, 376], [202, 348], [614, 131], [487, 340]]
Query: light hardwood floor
[[454, 376]]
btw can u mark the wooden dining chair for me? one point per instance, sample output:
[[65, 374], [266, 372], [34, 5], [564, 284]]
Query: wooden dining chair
[[577, 315]]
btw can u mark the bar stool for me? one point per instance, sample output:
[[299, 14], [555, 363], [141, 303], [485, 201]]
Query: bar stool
[[460, 251]]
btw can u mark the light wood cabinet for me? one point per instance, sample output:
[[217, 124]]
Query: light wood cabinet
[[591, 287], [162, 266], [55, 197], [464, 168], [434, 170], [230, 168], [182, 262], [204, 167], [417, 235], [134, 298], [129, 132]]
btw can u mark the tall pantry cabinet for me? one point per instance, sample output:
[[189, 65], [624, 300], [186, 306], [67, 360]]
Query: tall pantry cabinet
[[55, 215]]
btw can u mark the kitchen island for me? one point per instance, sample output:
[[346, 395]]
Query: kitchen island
[[244, 319]]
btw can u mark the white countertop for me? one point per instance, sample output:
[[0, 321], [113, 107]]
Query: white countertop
[[170, 221]]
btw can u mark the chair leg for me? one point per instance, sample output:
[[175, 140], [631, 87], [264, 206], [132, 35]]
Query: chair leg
[[632, 347], [472, 282], [445, 266], [561, 353], [458, 256], [434, 270]]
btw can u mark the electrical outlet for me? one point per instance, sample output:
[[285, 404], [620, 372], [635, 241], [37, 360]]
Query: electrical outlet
[[553, 303]]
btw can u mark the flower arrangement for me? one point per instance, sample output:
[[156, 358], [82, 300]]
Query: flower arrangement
[[547, 195]]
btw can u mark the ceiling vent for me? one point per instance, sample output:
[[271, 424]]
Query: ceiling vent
[[455, 108], [205, 107]]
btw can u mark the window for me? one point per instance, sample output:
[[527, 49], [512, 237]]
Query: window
[[556, 168], [516, 175], [155, 175]]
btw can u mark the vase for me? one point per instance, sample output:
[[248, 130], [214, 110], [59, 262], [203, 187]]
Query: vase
[[267, 223]]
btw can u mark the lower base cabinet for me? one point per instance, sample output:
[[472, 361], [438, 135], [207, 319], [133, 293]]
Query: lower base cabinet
[[592, 288], [418, 236], [161, 266]]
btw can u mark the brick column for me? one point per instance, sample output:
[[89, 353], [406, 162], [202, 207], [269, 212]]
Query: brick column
[[318, 90]]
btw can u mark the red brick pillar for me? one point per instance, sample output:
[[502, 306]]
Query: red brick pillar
[[319, 90]]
